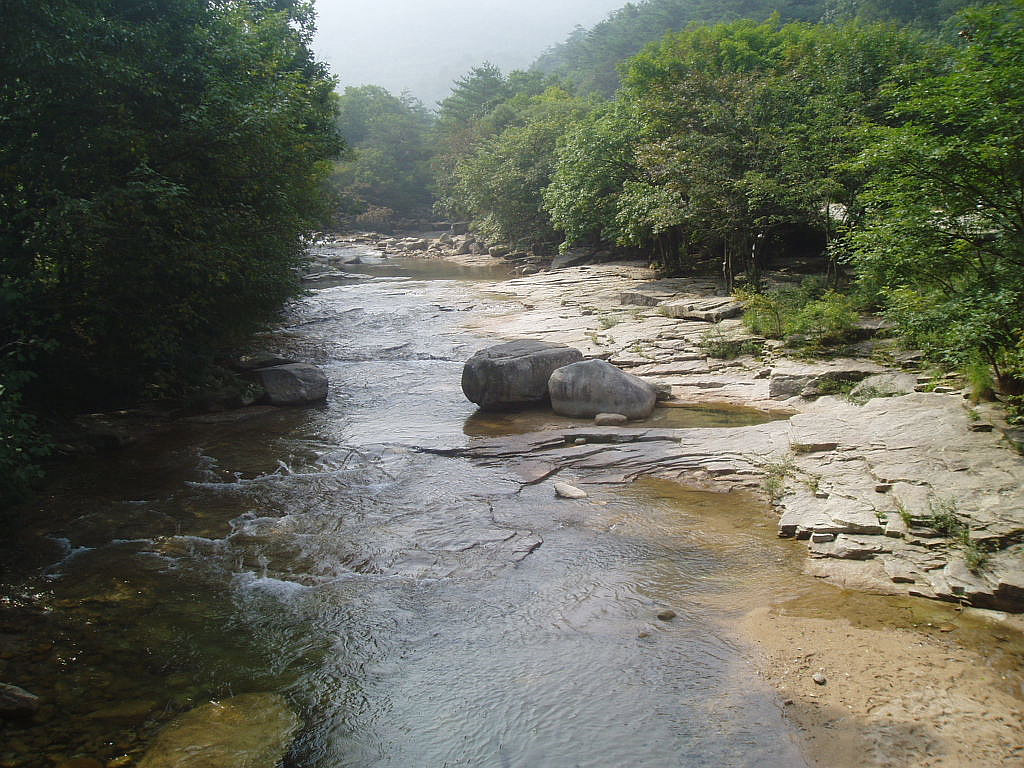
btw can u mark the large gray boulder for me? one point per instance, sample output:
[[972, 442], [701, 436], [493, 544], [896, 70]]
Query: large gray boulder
[[292, 384], [586, 389], [514, 374]]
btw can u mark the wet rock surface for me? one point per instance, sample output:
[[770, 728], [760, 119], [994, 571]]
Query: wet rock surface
[[292, 383], [248, 731]]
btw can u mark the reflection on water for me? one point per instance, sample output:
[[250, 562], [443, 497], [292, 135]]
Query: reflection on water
[[496, 423], [416, 610]]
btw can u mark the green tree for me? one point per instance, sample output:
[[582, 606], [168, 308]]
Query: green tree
[[501, 184], [389, 162], [594, 160], [944, 233]]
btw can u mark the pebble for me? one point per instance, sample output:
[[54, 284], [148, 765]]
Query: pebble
[[667, 615], [566, 491], [819, 678]]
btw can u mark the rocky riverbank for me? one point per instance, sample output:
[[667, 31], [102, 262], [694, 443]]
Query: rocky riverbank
[[906, 490], [896, 491]]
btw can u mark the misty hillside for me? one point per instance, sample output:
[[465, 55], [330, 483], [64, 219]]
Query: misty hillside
[[589, 58]]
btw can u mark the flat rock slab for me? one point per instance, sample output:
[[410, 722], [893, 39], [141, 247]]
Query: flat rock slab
[[792, 378], [644, 298], [514, 374], [253, 730], [711, 310]]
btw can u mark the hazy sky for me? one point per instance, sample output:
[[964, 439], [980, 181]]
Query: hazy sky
[[423, 45]]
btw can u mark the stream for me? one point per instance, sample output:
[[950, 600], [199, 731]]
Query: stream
[[414, 609]]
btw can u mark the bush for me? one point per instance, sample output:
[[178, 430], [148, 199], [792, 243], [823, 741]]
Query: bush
[[825, 322], [716, 344], [21, 445], [821, 317]]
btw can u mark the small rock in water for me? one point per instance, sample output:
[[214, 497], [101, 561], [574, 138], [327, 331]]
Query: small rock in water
[[642, 635], [15, 701], [566, 491], [610, 420], [580, 441], [667, 615], [253, 730], [819, 678]]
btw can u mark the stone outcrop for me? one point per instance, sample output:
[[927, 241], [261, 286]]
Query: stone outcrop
[[712, 310], [514, 374], [292, 384], [884, 385], [789, 379], [886, 474], [587, 388]]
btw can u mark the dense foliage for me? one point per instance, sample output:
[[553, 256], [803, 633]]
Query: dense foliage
[[895, 148], [387, 170], [160, 164], [591, 59], [944, 234]]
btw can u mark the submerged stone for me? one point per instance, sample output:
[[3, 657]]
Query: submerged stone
[[253, 730]]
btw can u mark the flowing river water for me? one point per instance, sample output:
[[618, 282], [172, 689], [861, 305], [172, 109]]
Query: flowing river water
[[414, 609]]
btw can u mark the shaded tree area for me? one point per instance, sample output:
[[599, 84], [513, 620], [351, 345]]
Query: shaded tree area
[[161, 162], [387, 171], [738, 136]]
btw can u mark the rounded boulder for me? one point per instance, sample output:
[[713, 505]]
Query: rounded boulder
[[515, 374], [585, 389]]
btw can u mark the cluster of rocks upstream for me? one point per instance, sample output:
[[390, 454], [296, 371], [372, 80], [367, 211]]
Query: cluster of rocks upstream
[[912, 491]]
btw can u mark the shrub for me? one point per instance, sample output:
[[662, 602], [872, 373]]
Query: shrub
[[716, 344], [827, 321]]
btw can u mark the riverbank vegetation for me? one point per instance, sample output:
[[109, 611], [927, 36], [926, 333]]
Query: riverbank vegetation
[[160, 166], [878, 149]]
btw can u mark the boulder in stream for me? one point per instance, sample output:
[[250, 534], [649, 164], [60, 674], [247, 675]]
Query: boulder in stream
[[514, 374], [585, 389], [253, 730], [292, 384]]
